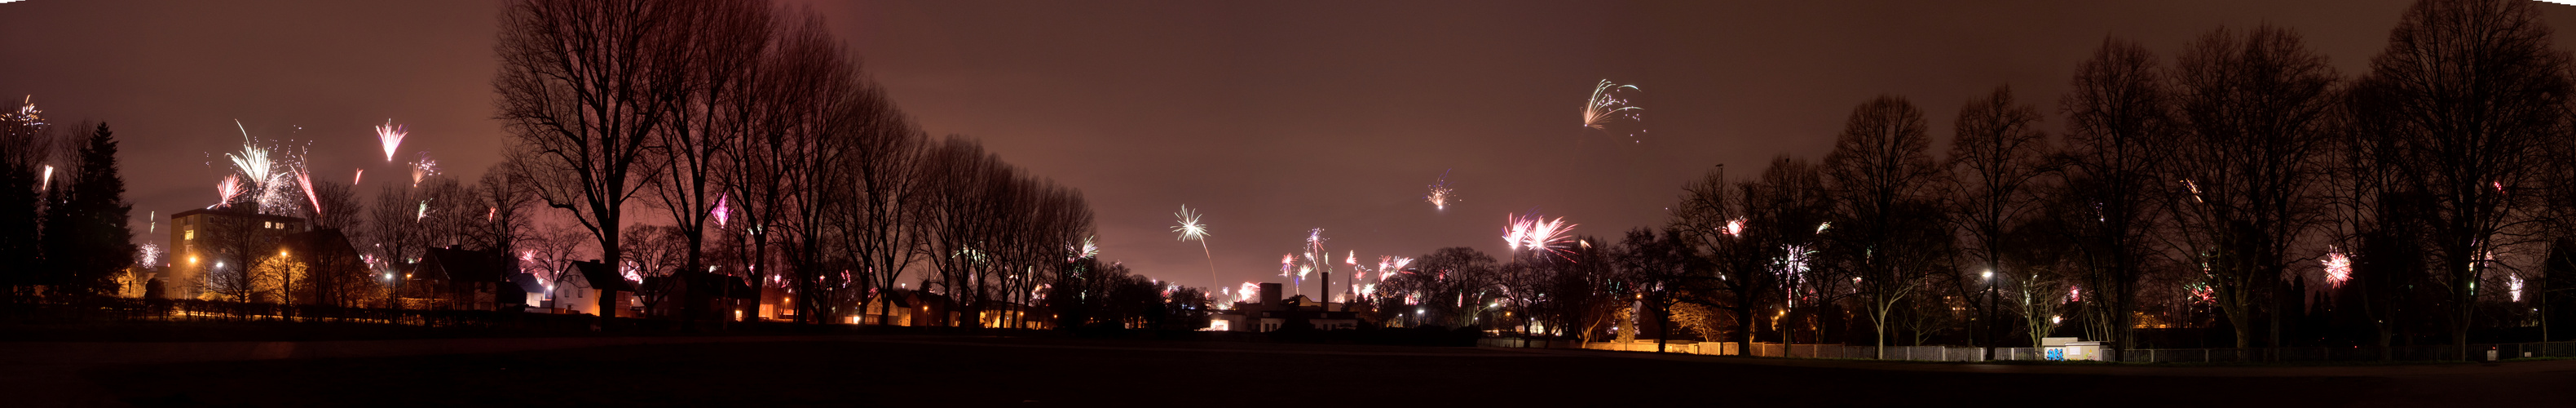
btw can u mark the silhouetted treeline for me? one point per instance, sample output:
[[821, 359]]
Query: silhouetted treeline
[[756, 147], [2237, 184]]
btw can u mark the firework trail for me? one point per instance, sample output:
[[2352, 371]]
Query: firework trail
[[2338, 267], [1440, 194], [424, 212], [1287, 264], [1191, 229], [49, 179], [305, 179], [390, 135], [1536, 233], [1606, 106], [362, 175]]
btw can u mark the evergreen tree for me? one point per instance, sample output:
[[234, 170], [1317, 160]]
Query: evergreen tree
[[86, 240], [22, 149]]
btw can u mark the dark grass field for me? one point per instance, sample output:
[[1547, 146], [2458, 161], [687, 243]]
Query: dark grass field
[[931, 371]]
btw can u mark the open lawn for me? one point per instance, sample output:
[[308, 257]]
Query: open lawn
[[921, 371]]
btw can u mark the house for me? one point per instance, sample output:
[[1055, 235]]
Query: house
[[708, 295], [906, 307], [533, 290], [451, 278], [597, 289], [1273, 313]]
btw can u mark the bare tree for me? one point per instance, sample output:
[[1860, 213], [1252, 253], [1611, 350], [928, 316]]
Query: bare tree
[[2253, 115], [1882, 169], [1997, 161], [2472, 90], [583, 85], [2117, 117]]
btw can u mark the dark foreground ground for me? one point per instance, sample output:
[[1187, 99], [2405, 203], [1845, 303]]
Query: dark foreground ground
[[938, 371]]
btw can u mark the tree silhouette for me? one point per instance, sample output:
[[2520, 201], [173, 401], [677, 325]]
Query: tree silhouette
[[1889, 240], [2471, 92]]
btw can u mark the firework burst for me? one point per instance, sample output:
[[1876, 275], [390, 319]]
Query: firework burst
[[391, 136], [2338, 267], [229, 188], [1606, 106], [1391, 265], [1440, 194], [423, 169], [253, 160], [1532, 232], [150, 254], [1191, 229]]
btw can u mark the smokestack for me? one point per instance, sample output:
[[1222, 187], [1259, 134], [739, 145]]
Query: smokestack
[[1270, 294]]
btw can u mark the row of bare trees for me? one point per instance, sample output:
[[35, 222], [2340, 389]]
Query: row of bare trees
[[761, 151]]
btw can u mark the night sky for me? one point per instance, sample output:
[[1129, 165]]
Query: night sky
[[1272, 118]]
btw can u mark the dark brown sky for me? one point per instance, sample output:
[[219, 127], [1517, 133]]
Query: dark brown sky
[[1271, 117]]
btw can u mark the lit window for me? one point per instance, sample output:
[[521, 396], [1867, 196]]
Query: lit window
[[191, 235]]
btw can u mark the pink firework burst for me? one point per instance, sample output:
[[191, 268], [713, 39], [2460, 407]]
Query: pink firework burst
[[229, 188], [2338, 268]]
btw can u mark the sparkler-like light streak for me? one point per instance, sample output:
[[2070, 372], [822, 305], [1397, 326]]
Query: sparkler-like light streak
[[390, 135], [2338, 267], [719, 212], [49, 179], [1606, 105], [1793, 267], [229, 188], [2513, 286], [424, 211], [1191, 229], [1532, 232], [305, 179], [151, 254], [1440, 194]]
